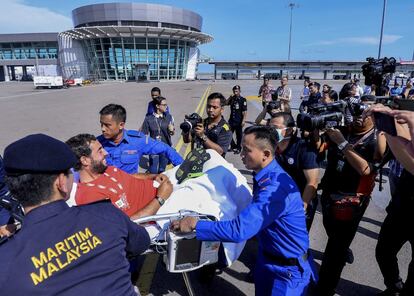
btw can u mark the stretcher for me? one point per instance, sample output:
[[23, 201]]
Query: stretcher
[[181, 252]]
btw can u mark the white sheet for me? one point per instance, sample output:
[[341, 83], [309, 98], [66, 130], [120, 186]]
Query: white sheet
[[222, 192]]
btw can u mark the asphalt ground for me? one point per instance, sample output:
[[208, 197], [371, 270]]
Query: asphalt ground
[[67, 112]]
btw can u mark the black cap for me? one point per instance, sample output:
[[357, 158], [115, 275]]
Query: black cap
[[37, 154]]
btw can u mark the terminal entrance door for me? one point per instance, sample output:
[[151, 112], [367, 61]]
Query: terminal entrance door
[[141, 72]]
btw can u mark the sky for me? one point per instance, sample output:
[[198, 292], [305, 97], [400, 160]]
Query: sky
[[259, 30]]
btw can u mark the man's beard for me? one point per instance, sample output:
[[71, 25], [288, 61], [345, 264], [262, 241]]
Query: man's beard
[[98, 167]]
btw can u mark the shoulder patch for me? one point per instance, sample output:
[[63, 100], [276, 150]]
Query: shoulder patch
[[137, 134], [226, 127]]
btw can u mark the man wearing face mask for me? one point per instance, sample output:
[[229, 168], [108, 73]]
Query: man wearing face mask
[[298, 158]]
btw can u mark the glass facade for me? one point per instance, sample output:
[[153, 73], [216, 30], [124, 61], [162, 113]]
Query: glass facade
[[117, 57], [28, 50]]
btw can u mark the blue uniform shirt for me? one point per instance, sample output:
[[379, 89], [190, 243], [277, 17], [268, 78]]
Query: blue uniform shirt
[[276, 215], [71, 251], [4, 214], [134, 144]]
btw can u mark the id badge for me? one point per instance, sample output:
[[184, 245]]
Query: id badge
[[158, 138], [340, 165], [236, 106]]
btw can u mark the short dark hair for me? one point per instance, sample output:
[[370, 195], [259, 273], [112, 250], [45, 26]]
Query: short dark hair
[[217, 95], [117, 111], [158, 100], [346, 90], [316, 84], [288, 119], [333, 95], [80, 145], [264, 134], [156, 89], [31, 189]]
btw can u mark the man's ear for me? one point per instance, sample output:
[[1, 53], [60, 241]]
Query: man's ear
[[266, 154], [122, 125], [62, 184], [84, 160]]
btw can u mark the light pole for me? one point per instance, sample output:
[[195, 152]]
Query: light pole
[[382, 28], [291, 6]]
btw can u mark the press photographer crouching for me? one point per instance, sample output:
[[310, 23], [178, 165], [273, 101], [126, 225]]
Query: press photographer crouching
[[212, 132], [346, 191]]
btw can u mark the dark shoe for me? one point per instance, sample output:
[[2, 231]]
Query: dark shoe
[[249, 277], [349, 257]]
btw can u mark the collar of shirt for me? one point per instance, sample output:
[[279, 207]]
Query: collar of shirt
[[45, 212], [271, 167], [156, 115], [125, 138]]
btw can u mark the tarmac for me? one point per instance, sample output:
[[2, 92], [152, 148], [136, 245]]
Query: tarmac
[[63, 113]]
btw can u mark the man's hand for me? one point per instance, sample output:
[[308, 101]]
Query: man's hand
[[7, 230], [187, 224], [335, 135], [161, 178], [199, 130], [165, 189]]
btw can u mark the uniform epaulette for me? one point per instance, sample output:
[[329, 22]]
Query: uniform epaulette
[[136, 134], [226, 127]]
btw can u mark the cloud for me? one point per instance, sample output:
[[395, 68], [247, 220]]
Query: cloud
[[386, 39], [19, 17]]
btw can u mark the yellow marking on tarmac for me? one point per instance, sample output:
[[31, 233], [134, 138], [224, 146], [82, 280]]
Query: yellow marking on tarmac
[[146, 274], [253, 98]]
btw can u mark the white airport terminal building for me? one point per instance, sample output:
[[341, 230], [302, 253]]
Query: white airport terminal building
[[111, 41]]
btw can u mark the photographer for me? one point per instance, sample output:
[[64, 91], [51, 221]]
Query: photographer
[[347, 185], [298, 159], [271, 108], [6, 227], [214, 132], [394, 232], [237, 120], [314, 97], [348, 94]]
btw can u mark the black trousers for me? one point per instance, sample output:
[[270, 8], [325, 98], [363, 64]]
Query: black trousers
[[238, 129], [340, 235], [396, 230]]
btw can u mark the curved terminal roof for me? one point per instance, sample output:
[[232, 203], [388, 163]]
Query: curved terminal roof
[[92, 15]]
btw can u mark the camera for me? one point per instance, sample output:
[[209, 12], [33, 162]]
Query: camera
[[321, 116], [190, 122], [272, 105], [358, 108], [375, 70]]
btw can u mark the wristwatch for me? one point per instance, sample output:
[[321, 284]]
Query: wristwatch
[[161, 201], [342, 145], [204, 138]]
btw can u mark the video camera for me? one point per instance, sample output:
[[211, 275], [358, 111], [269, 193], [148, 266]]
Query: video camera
[[273, 105], [375, 71], [321, 116], [190, 122]]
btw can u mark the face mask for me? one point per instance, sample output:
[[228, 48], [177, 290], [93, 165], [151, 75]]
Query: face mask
[[280, 136]]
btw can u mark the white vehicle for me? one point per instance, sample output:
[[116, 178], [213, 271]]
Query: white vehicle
[[48, 81]]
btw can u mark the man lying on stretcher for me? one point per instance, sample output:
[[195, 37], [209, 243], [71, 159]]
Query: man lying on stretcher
[[205, 183], [135, 194]]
